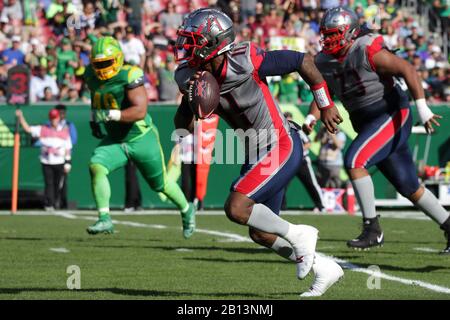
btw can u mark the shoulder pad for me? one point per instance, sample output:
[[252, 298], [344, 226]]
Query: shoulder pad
[[134, 73]]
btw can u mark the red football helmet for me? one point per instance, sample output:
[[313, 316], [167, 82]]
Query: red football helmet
[[339, 26]]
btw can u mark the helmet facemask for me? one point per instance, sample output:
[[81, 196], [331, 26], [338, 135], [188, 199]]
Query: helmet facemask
[[333, 40], [187, 46], [106, 68]]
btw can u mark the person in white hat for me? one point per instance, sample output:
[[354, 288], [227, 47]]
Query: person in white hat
[[436, 56]]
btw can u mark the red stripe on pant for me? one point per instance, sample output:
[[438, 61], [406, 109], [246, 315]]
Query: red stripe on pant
[[381, 139], [266, 168]]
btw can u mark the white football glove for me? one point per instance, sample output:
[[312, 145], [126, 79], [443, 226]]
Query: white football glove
[[107, 115]]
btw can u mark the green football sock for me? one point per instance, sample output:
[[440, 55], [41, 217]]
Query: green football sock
[[100, 188], [173, 191]]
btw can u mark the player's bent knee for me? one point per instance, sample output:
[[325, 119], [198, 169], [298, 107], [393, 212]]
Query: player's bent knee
[[97, 169], [410, 192], [350, 164], [237, 212], [414, 197]]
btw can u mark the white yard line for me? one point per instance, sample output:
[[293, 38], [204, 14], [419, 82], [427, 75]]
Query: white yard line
[[425, 285], [236, 237], [232, 237], [426, 250], [59, 250], [410, 214]]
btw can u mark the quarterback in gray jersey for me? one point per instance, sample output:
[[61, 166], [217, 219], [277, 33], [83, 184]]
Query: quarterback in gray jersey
[[273, 148], [359, 71]]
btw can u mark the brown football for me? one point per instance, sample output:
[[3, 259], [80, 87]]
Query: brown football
[[204, 95]]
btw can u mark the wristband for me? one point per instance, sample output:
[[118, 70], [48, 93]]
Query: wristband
[[424, 111], [322, 96], [310, 118], [113, 115]]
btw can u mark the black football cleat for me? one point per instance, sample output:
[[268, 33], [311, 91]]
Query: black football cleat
[[446, 250], [446, 227], [371, 236]]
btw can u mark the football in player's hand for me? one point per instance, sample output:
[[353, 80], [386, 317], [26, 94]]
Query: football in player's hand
[[204, 95]]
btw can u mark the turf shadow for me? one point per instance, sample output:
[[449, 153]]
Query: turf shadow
[[23, 239], [385, 267], [387, 241], [138, 292], [173, 248], [222, 260]]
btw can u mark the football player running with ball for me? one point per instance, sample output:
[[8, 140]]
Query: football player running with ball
[[359, 70], [273, 149], [119, 100]]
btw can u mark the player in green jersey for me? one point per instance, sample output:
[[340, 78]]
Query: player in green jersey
[[119, 100]]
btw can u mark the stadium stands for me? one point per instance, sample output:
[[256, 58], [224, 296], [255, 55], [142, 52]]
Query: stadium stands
[[54, 36]]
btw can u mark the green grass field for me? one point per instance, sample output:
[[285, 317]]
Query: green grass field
[[147, 258]]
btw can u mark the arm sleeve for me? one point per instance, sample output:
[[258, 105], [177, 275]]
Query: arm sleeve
[[280, 62]]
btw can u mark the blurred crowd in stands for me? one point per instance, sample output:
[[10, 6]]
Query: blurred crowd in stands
[[54, 37]]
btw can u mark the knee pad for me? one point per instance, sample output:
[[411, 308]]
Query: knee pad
[[97, 169]]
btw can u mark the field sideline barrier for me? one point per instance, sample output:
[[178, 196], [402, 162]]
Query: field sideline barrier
[[221, 176]]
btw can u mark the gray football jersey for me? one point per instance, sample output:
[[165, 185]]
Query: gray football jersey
[[245, 100], [353, 79]]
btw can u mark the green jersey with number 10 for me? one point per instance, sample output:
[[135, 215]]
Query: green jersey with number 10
[[112, 94]]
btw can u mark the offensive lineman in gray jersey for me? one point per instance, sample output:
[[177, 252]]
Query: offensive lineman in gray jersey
[[360, 71], [273, 149]]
